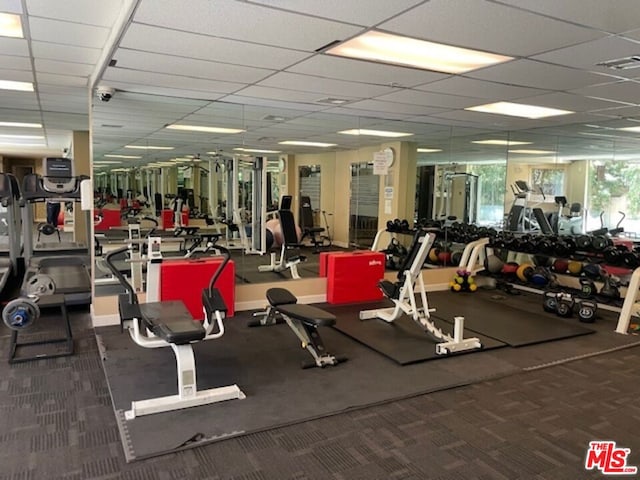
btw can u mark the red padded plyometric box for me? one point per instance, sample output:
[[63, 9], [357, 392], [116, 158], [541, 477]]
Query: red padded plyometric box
[[110, 218], [167, 219], [185, 279], [354, 277], [323, 258]]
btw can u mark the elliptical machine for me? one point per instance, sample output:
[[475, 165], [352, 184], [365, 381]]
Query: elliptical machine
[[566, 224]]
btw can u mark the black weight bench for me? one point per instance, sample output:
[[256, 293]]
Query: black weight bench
[[304, 320], [170, 324]]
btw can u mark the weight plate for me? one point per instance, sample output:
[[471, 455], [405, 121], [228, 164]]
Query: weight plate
[[550, 302], [20, 313], [564, 309], [40, 285], [587, 312]]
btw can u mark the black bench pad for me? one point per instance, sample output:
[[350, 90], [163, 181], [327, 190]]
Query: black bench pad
[[308, 314], [280, 296], [172, 322]]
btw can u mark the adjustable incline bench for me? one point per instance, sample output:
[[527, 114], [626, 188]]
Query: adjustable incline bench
[[304, 320], [402, 294], [290, 242], [169, 324]]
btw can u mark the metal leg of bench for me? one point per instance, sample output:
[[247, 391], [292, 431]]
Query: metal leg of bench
[[188, 394]]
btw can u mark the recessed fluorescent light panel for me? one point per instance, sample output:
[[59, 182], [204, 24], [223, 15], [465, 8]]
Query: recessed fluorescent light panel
[[13, 85], [519, 110], [20, 125], [23, 137], [115, 155], [254, 150], [429, 150], [500, 142], [307, 144], [106, 162], [399, 50], [532, 152], [199, 128], [630, 129], [10, 25], [148, 147], [375, 133]]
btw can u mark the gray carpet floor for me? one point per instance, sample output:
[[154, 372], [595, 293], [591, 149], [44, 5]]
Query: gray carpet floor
[[56, 422]]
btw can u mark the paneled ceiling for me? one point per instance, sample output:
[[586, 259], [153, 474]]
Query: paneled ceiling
[[259, 66]]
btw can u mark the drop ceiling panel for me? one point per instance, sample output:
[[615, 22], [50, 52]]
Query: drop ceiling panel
[[487, 26], [324, 86], [18, 115], [11, 6], [486, 119], [63, 68], [270, 93], [587, 55], [67, 33], [623, 91], [22, 100], [360, 12], [242, 21], [567, 101], [65, 107], [362, 71], [612, 16], [70, 121], [14, 46], [188, 67], [65, 53], [16, 75], [176, 92], [13, 62], [102, 13], [529, 73], [441, 100], [171, 81], [64, 80], [356, 113], [275, 103], [626, 111], [203, 47], [472, 87], [391, 107]]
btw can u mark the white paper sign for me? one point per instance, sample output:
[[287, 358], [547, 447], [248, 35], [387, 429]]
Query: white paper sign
[[388, 192], [380, 165], [387, 207]]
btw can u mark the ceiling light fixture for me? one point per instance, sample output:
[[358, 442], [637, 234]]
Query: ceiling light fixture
[[429, 150], [199, 128], [399, 50], [20, 125], [10, 25], [13, 85], [115, 155], [630, 129], [518, 110], [500, 142], [148, 147], [532, 152], [106, 162], [23, 137], [307, 144], [254, 150], [375, 133]]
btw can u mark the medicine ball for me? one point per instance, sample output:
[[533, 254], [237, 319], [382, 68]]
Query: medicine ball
[[560, 265], [524, 272], [591, 270], [575, 268], [493, 264], [433, 255], [510, 268], [444, 258], [540, 277], [456, 257]]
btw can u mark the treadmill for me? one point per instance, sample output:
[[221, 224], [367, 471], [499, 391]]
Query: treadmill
[[9, 201], [69, 269]]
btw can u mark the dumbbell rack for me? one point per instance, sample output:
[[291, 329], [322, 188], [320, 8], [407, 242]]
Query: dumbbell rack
[[631, 306]]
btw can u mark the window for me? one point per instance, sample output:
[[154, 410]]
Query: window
[[549, 180]]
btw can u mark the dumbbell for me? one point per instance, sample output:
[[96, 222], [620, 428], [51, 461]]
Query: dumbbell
[[587, 288], [565, 304], [600, 242], [587, 310]]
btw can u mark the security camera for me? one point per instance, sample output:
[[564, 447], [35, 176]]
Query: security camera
[[105, 93]]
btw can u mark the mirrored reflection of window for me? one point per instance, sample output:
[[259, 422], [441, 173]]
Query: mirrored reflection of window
[[614, 196], [363, 207], [491, 182], [548, 180], [310, 176]]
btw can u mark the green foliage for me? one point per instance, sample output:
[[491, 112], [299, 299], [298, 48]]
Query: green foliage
[[611, 179], [492, 182]]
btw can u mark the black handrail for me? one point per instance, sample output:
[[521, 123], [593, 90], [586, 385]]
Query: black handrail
[[133, 297], [226, 257]]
